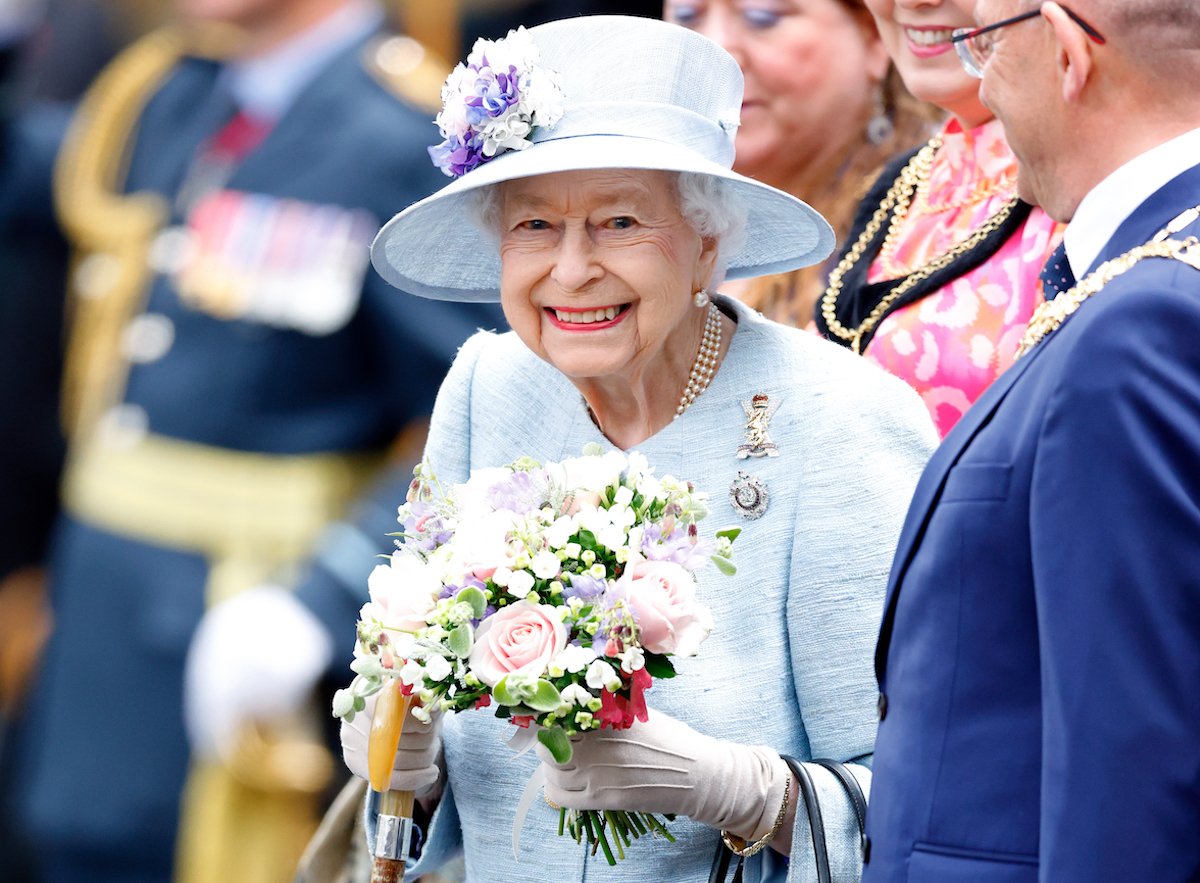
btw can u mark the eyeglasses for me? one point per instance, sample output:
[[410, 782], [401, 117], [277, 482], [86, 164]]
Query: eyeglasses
[[976, 46]]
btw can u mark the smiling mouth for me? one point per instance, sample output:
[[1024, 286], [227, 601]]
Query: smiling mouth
[[929, 36], [597, 316]]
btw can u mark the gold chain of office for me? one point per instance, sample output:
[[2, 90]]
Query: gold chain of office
[[1051, 314], [895, 206]]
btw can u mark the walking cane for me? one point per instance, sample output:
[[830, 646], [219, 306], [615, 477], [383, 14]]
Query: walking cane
[[393, 832]]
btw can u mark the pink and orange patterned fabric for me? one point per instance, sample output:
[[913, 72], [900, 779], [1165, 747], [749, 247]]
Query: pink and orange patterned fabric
[[951, 344]]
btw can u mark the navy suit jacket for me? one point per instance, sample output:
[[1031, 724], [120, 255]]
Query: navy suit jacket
[[1039, 658]]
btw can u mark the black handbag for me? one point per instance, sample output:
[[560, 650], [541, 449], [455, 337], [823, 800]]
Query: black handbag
[[808, 794]]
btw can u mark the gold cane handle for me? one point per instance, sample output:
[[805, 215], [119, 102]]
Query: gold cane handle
[[394, 835]]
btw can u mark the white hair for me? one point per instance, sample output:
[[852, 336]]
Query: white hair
[[714, 210], [710, 205]]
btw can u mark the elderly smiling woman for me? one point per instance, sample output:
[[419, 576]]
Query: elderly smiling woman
[[601, 239]]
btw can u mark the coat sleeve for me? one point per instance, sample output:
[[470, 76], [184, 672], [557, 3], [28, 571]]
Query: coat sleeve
[[335, 584], [1115, 534], [858, 483]]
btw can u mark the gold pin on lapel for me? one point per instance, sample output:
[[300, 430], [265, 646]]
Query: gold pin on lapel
[[759, 411]]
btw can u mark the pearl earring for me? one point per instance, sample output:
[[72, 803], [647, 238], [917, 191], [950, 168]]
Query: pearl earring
[[701, 299]]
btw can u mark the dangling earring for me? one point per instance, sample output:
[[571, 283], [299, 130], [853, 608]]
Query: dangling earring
[[879, 126], [700, 299]]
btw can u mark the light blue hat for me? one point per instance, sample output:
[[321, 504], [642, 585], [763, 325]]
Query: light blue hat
[[595, 92]]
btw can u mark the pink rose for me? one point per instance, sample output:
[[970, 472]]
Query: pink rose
[[662, 595], [402, 593], [522, 637]]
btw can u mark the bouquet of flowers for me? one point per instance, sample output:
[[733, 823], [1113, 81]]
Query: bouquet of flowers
[[556, 593]]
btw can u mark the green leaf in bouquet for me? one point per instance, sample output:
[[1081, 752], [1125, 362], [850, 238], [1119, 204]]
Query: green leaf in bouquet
[[730, 533], [659, 666], [461, 639], [556, 742], [724, 565], [502, 694], [474, 597], [545, 697]]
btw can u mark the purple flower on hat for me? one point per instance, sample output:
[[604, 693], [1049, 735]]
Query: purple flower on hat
[[454, 157], [492, 103]]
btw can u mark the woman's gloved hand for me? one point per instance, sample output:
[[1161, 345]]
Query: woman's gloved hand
[[416, 765], [664, 766]]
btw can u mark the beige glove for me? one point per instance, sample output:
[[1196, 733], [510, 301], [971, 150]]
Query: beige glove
[[416, 766], [664, 766]]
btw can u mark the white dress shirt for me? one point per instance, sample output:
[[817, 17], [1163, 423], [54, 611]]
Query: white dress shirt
[[264, 87], [1114, 199]]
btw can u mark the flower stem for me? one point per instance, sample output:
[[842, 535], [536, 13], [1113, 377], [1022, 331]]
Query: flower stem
[[599, 826]]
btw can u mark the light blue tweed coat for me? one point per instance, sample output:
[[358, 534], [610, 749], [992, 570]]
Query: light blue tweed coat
[[789, 662]]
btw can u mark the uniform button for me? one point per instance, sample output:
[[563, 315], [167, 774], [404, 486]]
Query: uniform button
[[400, 55], [97, 275], [171, 251], [124, 426], [866, 850], [883, 705], [148, 338]]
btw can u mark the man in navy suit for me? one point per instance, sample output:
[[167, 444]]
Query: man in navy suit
[[1039, 658]]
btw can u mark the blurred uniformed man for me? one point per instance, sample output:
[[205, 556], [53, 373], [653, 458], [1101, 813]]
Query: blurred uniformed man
[[235, 376]]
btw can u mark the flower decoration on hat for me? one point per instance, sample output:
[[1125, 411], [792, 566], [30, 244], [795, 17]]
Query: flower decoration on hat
[[493, 102]]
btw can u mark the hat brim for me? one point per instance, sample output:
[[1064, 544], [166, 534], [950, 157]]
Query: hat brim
[[436, 249]]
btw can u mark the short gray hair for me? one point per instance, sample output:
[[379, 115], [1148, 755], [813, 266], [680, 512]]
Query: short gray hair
[[710, 205], [1159, 35]]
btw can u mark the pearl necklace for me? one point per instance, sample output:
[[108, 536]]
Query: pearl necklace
[[707, 358]]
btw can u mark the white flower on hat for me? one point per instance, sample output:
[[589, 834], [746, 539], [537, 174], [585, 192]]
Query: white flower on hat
[[492, 103]]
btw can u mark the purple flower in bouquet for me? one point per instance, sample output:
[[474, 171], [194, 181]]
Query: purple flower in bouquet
[[424, 529], [521, 492], [668, 542], [584, 587]]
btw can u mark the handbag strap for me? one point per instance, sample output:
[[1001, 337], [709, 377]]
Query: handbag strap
[[816, 825], [853, 790]]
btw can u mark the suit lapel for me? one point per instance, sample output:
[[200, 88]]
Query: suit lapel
[[929, 490], [1181, 193]]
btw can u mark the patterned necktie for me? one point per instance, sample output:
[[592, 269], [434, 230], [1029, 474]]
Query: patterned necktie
[[1057, 275]]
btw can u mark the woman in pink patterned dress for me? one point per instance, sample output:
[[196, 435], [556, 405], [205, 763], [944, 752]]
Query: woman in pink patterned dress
[[939, 275]]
